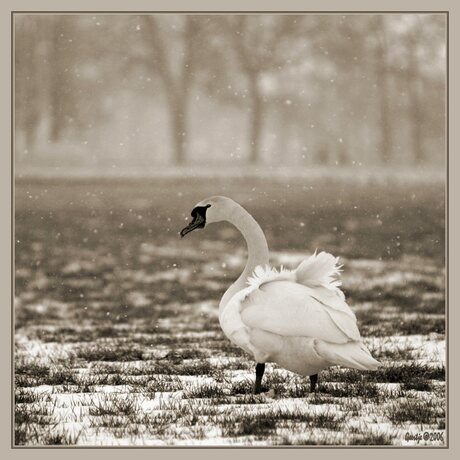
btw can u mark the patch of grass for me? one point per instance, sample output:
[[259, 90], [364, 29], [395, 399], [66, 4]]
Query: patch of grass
[[353, 407], [409, 296], [187, 353], [26, 434], [239, 399], [418, 385], [24, 415], [22, 396], [204, 391], [21, 435], [59, 377], [388, 373], [327, 420], [115, 405], [288, 387], [376, 324], [155, 424], [66, 334], [194, 368], [110, 353], [111, 421], [371, 440], [244, 387], [338, 374], [31, 369], [363, 390], [257, 426], [422, 325], [414, 411], [318, 398], [397, 373], [63, 438], [163, 383], [39, 413]]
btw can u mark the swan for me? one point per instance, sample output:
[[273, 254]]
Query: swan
[[296, 318]]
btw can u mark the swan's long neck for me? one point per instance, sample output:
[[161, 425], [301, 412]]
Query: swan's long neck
[[257, 249]]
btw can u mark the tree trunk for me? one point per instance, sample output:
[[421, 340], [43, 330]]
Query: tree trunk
[[416, 115], [413, 83], [256, 120], [57, 124], [178, 110], [385, 149], [176, 86], [385, 127], [57, 79], [27, 101]]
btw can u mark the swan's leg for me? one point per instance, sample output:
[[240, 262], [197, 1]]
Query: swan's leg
[[260, 369], [313, 382]]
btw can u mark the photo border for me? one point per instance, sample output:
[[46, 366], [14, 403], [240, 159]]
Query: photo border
[[46, 7]]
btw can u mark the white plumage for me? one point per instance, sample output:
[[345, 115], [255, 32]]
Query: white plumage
[[296, 318]]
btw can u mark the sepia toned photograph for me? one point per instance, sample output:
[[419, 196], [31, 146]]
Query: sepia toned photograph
[[229, 229]]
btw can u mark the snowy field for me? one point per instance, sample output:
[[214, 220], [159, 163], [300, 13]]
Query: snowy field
[[117, 337]]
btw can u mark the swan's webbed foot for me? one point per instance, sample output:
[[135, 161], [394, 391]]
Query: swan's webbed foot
[[313, 382], [260, 369]]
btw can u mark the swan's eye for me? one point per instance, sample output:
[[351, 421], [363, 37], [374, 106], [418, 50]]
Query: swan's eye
[[200, 211], [199, 219]]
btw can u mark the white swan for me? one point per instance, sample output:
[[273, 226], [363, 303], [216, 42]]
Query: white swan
[[296, 318]]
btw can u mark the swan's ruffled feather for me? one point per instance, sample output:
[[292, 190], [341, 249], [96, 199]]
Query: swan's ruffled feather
[[319, 275], [322, 268], [262, 275]]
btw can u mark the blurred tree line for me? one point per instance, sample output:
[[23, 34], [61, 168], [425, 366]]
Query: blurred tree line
[[275, 89]]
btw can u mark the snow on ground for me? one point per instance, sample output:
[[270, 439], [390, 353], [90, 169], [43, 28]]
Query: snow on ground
[[117, 338]]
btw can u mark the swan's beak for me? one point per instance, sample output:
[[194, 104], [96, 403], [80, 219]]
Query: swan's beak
[[197, 222]]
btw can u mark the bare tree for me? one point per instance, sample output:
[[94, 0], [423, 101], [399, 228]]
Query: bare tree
[[414, 83], [382, 77], [257, 42], [292, 72], [58, 83], [421, 48], [27, 113], [177, 84]]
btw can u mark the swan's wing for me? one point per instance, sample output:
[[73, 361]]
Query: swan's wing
[[291, 309], [321, 273], [332, 299]]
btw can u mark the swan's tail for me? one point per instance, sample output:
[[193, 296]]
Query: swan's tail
[[351, 354], [322, 268]]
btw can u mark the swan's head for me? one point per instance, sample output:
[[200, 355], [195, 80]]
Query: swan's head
[[213, 209]]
